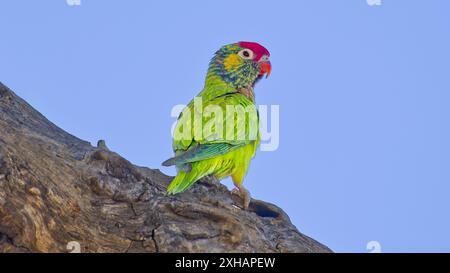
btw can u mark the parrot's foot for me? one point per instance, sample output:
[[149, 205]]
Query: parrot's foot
[[244, 194]]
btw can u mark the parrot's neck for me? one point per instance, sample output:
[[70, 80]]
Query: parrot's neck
[[248, 92], [223, 82], [216, 86]]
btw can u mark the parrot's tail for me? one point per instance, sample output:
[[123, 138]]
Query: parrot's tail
[[183, 181]]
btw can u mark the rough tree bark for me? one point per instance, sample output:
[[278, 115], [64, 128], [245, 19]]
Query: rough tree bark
[[56, 189]]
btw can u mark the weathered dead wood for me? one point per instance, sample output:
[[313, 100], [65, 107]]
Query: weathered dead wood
[[56, 189]]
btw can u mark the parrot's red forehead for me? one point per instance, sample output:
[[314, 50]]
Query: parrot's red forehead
[[258, 49]]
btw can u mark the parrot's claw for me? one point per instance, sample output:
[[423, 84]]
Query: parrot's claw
[[244, 194]]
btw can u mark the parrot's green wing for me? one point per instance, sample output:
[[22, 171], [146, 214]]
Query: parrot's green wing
[[211, 144], [202, 152]]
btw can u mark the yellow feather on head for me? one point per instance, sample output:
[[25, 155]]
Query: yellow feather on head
[[232, 61]]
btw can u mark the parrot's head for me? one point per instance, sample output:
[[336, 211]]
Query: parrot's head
[[241, 64]]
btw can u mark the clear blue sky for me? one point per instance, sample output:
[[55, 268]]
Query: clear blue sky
[[363, 91]]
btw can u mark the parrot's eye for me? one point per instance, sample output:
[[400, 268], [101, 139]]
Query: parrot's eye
[[246, 54]]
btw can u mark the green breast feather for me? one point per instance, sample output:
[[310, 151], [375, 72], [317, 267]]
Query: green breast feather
[[206, 129]]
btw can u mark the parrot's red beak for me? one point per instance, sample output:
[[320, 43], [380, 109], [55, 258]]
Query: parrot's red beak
[[266, 67]]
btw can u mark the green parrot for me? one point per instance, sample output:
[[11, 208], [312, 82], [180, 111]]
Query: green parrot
[[217, 134]]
